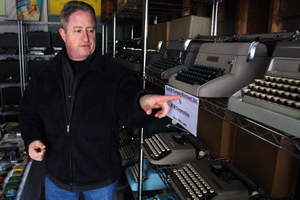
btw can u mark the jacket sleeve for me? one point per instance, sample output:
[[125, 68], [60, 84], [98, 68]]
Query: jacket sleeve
[[31, 125], [128, 106]]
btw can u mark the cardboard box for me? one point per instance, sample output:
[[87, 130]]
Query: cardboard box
[[159, 32], [189, 27]]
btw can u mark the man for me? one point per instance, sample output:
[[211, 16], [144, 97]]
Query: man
[[70, 112]]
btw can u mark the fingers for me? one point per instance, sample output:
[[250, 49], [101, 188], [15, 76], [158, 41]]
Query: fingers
[[149, 102], [163, 112], [37, 150]]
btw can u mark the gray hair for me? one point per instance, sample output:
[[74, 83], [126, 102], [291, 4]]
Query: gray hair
[[73, 6]]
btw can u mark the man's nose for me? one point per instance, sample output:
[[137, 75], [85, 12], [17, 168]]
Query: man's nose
[[85, 36]]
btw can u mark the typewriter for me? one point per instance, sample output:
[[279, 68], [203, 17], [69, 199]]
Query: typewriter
[[11, 97], [129, 54], [9, 43], [274, 99], [39, 43], [207, 179], [57, 42], [130, 153], [172, 148], [222, 68], [9, 71], [126, 136], [269, 39], [128, 147], [151, 179], [179, 55]]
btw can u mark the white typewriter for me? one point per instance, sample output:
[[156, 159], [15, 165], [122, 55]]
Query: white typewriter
[[274, 99], [179, 55], [220, 69]]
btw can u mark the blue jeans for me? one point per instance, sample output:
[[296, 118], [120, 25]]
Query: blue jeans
[[53, 192]]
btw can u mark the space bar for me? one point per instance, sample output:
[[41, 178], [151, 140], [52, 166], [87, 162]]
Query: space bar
[[180, 78], [284, 110]]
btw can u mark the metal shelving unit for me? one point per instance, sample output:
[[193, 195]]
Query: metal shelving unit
[[218, 107], [142, 12]]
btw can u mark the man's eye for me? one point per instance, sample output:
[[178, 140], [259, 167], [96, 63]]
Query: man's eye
[[77, 31], [91, 31]]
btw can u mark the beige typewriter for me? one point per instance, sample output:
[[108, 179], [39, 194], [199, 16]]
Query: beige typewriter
[[275, 98], [220, 69]]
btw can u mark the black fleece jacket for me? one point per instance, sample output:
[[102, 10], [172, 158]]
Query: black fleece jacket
[[78, 119]]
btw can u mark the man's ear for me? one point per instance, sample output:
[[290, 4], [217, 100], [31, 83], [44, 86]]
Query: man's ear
[[62, 34]]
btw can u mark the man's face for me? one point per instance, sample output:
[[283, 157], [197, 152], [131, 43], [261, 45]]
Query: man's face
[[79, 36]]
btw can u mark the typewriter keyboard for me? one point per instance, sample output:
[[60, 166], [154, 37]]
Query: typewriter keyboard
[[192, 184], [126, 152], [164, 64], [278, 94], [156, 147], [199, 74], [135, 172]]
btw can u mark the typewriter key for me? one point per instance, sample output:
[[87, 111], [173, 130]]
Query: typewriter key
[[290, 81], [280, 93], [290, 103], [263, 96], [287, 95], [270, 97], [279, 85], [297, 104], [267, 83], [293, 88], [262, 89], [297, 82], [267, 78], [283, 101], [277, 79], [284, 80], [276, 99], [274, 91], [251, 85]]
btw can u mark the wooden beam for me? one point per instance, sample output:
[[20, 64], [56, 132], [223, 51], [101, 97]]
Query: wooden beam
[[186, 5], [275, 22], [242, 17]]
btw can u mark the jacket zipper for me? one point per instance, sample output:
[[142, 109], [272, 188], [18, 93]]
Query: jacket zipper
[[68, 132], [68, 121]]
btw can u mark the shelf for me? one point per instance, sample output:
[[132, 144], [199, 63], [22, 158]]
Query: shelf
[[278, 139], [164, 171], [156, 81], [218, 107], [156, 10]]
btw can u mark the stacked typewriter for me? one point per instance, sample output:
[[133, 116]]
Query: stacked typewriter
[[129, 148], [9, 43], [221, 68], [274, 99], [129, 54], [179, 55], [186, 168]]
